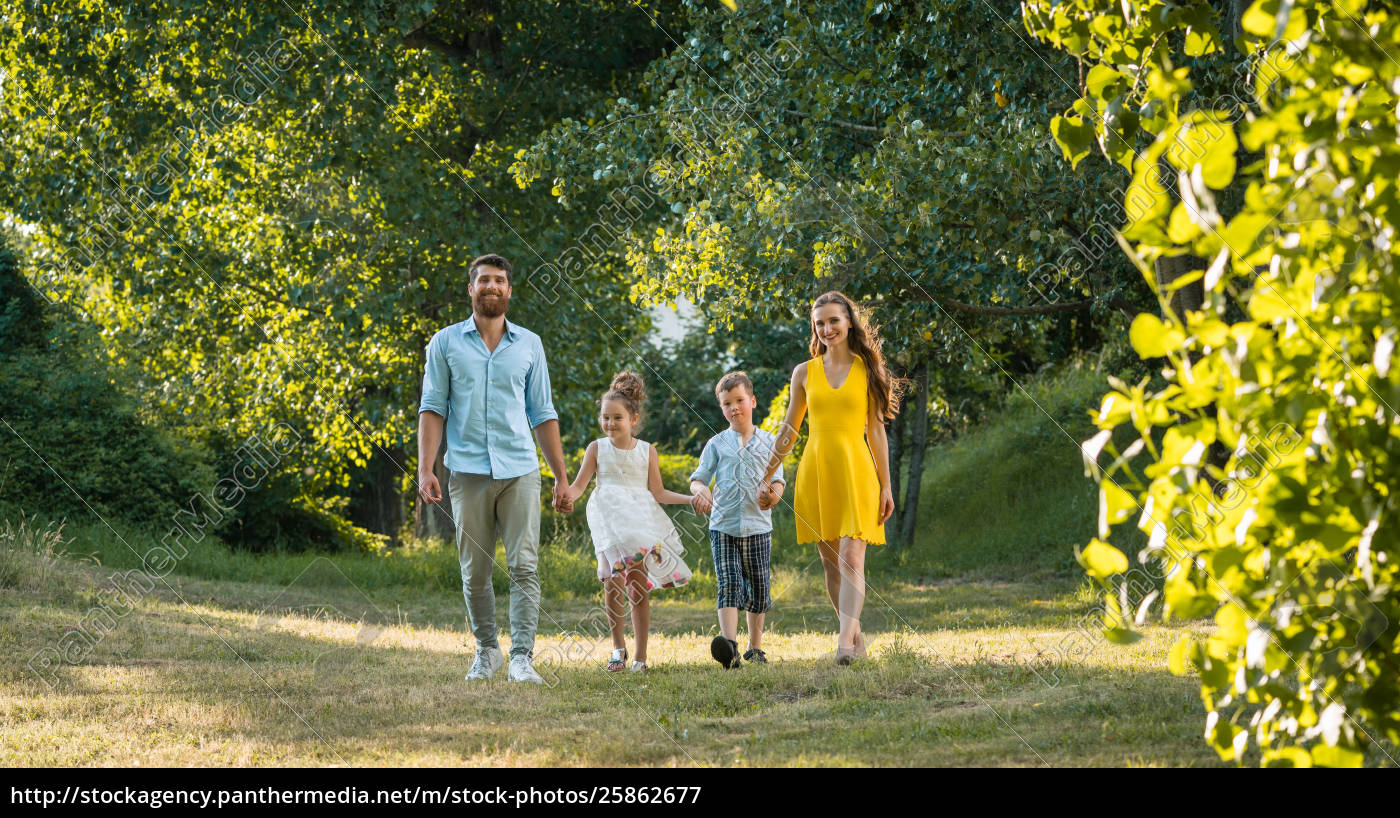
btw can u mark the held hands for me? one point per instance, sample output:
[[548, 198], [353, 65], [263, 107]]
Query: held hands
[[701, 500], [769, 495], [886, 504], [563, 497]]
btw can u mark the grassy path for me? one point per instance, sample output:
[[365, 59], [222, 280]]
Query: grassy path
[[965, 673]]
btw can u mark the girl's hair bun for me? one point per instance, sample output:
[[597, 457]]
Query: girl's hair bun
[[627, 386], [630, 384]]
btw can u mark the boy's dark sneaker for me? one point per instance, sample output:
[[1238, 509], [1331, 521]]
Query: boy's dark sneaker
[[725, 651], [755, 655]]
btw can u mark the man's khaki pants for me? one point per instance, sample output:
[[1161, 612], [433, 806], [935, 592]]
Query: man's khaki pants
[[484, 509]]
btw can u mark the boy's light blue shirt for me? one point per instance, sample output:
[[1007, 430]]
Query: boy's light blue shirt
[[737, 470], [491, 400]]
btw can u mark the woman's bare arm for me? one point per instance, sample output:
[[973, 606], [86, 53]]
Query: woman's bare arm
[[786, 437], [880, 448]]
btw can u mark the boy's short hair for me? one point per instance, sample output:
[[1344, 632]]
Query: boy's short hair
[[732, 380]]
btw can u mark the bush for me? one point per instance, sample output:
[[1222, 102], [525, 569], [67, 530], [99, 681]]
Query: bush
[[1272, 453], [79, 447], [274, 518], [21, 308]]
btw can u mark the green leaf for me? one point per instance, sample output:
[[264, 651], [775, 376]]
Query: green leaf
[[1146, 199], [1207, 140], [1115, 505], [1200, 43], [1179, 659], [1101, 77], [1075, 137], [1152, 338], [1102, 560], [1258, 19], [1227, 739], [1295, 757], [1232, 624], [1268, 305], [1182, 229], [1324, 755], [1183, 601]]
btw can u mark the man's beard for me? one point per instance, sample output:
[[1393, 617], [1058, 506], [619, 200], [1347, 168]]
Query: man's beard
[[490, 307]]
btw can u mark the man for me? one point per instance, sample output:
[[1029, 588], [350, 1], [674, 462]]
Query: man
[[486, 381]]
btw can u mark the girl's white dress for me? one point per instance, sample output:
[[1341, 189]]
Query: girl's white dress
[[628, 524]]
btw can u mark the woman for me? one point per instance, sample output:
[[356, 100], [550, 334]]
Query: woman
[[843, 481]]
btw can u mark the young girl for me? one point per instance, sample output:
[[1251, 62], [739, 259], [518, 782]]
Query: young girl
[[637, 546], [843, 495]]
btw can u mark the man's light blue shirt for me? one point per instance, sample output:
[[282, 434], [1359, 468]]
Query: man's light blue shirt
[[491, 400], [737, 470]]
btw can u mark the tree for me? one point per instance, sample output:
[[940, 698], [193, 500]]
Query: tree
[[1287, 362], [272, 209], [896, 153]]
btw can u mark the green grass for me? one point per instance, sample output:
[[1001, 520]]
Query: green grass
[[1010, 497], [985, 650], [217, 672]]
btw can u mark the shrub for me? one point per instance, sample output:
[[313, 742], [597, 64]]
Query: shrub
[[1267, 497], [79, 447]]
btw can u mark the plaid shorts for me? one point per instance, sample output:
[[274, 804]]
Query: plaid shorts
[[741, 568]]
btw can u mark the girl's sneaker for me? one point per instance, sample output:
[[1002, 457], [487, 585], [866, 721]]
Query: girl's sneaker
[[618, 660], [638, 667], [756, 655], [726, 652]]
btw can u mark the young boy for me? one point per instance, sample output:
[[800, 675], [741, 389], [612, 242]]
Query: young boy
[[740, 526]]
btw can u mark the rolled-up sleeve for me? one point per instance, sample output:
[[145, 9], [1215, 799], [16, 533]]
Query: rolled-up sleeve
[[437, 380], [539, 401], [706, 470]]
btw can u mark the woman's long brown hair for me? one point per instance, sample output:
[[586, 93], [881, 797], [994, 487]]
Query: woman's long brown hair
[[864, 340]]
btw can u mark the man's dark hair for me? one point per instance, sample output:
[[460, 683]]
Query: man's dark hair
[[488, 260]]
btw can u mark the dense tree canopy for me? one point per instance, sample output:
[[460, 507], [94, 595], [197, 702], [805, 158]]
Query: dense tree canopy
[[895, 151], [898, 153], [271, 210]]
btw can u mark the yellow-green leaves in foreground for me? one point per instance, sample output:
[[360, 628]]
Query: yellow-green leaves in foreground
[[1262, 470]]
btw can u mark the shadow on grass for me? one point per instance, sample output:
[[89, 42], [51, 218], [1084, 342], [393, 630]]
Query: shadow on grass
[[180, 685]]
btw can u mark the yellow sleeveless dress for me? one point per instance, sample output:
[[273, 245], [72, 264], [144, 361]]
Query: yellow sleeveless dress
[[838, 488]]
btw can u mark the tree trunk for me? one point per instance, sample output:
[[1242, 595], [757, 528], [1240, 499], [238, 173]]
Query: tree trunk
[[1234, 15], [918, 436], [378, 503], [432, 522], [435, 521], [1189, 297], [896, 435]]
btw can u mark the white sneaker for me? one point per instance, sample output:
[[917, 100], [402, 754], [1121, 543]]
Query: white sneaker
[[488, 661], [523, 670]]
